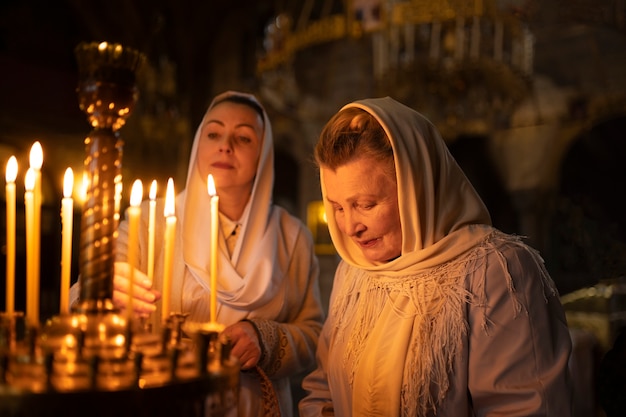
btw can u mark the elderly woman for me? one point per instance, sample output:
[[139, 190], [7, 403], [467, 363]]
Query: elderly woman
[[433, 311]]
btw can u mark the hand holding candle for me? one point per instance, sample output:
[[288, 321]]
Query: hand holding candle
[[134, 212], [67, 214], [170, 233], [11, 174], [214, 229]]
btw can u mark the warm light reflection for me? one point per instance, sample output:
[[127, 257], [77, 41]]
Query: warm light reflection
[[169, 199], [69, 340], [102, 332], [102, 46], [11, 171], [119, 340], [211, 186], [136, 193], [81, 189], [68, 183]]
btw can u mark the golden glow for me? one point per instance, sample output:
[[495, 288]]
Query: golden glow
[[170, 201], [119, 340], [68, 183], [211, 186], [29, 180], [11, 171], [136, 193], [153, 190], [36, 156]]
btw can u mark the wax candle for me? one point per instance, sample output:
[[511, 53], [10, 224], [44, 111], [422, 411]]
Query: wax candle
[[67, 214], [214, 229], [36, 161], [134, 212], [151, 231], [11, 174], [170, 233], [32, 298]]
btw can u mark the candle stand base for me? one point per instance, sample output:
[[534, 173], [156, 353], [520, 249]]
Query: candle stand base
[[100, 365]]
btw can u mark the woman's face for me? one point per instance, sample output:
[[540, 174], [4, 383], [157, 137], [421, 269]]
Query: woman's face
[[364, 201], [230, 145]]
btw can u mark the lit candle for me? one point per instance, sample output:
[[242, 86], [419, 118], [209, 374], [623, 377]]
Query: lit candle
[[11, 174], [67, 214], [36, 161], [134, 212], [32, 301], [170, 233], [153, 191], [214, 229]]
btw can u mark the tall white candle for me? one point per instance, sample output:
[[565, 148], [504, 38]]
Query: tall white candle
[[36, 161], [11, 174], [151, 226], [214, 230], [67, 219], [134, 213], [32, 296], [170, 239]]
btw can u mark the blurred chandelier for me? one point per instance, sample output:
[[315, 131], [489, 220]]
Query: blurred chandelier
[[464, 63]]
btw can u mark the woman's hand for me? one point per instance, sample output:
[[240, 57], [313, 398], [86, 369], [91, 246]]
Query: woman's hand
[[246, 346], [144, 296]]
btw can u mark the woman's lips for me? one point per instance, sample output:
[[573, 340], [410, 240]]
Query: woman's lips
[[222, 165], [367, 243]]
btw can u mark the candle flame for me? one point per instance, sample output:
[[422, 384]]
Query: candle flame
[[153, 190], [136, 194], [68, 183], [211, 186], [169, 198], [11, 172], [29, 181], [36, 156]]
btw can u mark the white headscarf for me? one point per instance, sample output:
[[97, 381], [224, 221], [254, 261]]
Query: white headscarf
[[436, 200], [245, 281]]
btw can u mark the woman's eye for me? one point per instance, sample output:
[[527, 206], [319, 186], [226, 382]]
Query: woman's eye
[[212, 135], [244, 139], [366, 206]]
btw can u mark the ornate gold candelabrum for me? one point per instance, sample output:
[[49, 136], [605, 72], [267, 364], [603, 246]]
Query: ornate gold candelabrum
[[96, 361]]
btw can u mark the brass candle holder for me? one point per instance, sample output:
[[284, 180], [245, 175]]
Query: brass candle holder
[[95, 361]]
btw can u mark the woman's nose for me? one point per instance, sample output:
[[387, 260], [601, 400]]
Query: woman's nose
[[226, 144], [352, 224]]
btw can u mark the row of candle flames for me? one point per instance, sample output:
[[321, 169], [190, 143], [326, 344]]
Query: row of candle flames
[[172, 322]]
